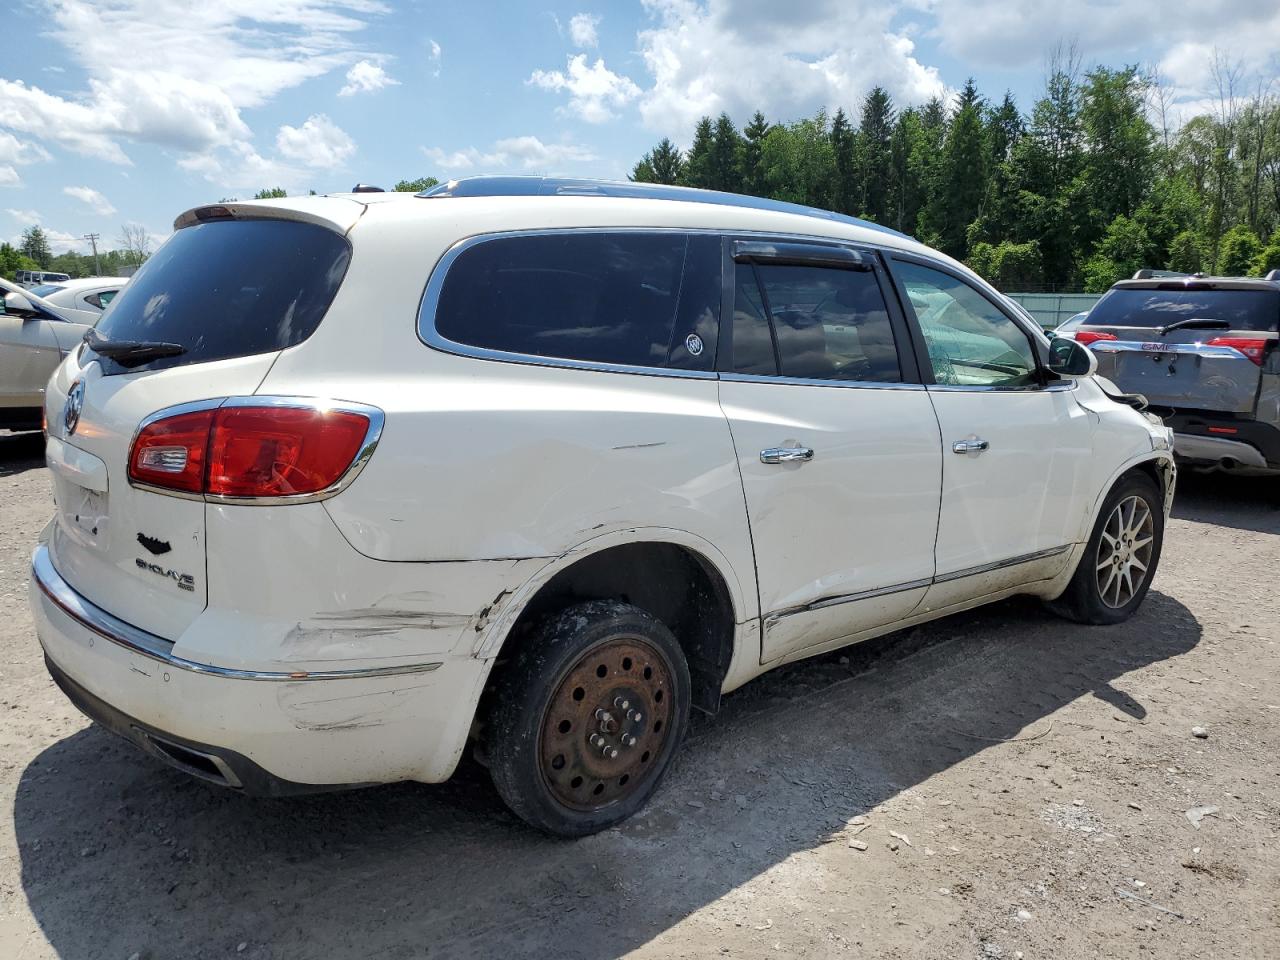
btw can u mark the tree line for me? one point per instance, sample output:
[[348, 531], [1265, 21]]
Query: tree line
[[1093, 184]]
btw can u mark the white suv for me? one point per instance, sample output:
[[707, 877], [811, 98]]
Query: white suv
[[344, 483]]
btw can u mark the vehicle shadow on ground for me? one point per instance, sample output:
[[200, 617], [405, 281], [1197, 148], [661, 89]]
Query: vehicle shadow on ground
[[1243, 503], [120, 855], [20, 452]]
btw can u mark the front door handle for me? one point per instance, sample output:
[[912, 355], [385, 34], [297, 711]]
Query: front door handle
[[972, 445], [786, 455]]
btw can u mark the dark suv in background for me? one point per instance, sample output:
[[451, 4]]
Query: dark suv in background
[[1205, 352]]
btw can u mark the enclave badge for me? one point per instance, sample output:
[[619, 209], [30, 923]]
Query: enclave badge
[[71, 411]]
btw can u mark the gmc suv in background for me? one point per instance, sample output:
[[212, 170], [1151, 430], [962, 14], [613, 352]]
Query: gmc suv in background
[[1205, 352]]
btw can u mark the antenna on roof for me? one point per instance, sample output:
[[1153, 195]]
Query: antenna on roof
[[1273, 275]]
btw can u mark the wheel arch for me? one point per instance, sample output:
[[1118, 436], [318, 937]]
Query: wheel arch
[[680, 579]]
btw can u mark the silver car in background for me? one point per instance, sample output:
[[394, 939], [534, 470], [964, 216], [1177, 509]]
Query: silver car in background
[[34, 337], [1205, 352]]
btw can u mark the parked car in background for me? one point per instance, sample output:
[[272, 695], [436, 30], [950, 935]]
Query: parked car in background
[[33, 278], [1068, 327], [1207, 351], [602, 453], [81, 300], [34, 337]]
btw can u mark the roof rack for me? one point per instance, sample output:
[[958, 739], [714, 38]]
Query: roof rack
[[575, 187]]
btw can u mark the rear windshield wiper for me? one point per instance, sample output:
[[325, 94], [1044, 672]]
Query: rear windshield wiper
[[131, 353], [1196, 323]]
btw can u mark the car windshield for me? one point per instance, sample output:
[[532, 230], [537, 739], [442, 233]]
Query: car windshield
[[45, 289], [1241, 309]]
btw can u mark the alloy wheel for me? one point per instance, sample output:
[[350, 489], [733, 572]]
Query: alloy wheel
[[1124, 551]]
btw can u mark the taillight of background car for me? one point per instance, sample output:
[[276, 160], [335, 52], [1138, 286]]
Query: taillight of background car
[[1251, 347]]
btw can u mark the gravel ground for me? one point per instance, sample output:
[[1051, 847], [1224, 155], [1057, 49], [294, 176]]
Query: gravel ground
[[1021, 786]]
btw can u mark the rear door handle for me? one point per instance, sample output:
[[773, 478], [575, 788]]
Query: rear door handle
[[786, 455], [974, 445]]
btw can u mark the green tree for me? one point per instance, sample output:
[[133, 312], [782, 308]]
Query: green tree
[[846, 196], [662, 164], [35, 245], [956, 199], [1239, 250], [1007, 265], [1186, 253], [875, 155], [1269, 258], [1119, 144], [416, 186], [12, 260], [698, 169], [1125, 248], [726, 143], [751, 155], [799, 162], [270, 193]]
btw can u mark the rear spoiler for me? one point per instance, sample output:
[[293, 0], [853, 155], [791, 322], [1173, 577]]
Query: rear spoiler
[[334, 213]]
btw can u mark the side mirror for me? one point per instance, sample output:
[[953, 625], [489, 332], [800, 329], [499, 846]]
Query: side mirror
[[1067, 358], [17, 304]]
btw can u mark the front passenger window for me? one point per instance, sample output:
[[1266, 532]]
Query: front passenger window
[[970, 341]]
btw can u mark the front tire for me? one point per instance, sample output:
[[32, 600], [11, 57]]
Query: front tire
[[587, 717], [1115, 571]]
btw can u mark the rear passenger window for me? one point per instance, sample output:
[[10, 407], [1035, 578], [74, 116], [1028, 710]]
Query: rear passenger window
[[827, 324], [635, 299]]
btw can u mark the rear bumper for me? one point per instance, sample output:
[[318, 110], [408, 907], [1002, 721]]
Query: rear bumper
[[1209, 438], [258, 731]]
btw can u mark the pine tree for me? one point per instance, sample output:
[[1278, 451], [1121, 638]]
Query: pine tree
[[751, 155], [35, 244], [843, 143], [662, 164], [874, 133], [723, 163], [698, 170]]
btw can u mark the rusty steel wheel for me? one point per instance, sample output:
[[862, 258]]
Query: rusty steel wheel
[[605, 723], [585, 717]]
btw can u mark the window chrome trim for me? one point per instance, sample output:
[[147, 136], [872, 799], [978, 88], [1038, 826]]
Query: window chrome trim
[[426, 324], [62, 595], [428, 334], [1056, 386], [377, 419], [808, 382]]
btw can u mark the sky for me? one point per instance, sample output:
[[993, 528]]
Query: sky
[[120, 112]]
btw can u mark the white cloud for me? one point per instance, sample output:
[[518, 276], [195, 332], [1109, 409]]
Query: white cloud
[[241, 169], [526, 153], [201, 64], [9, 176], [366, 77], [582, 30], [594, 91], [788, 60], [319, 143], [26, 218], [434, 57], [95, 200]]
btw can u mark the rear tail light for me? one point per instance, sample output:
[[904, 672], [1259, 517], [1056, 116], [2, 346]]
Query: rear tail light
[[1089, 336], [1249, 346], [245, 451]]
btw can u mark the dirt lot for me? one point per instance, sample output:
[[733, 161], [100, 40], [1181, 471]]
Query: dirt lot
[[1020, 785]]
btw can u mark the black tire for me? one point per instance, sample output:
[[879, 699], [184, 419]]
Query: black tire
[[1083, 600], [547, 708]]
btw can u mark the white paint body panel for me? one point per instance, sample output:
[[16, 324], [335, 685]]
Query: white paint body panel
[[491, 477]]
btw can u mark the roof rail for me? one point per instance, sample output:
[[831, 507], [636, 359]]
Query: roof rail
[[577, 187]]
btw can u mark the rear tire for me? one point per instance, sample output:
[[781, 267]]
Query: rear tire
[[587, 717], [1118, 563]]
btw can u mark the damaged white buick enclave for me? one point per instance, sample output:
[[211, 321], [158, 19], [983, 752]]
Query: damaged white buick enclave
[[345, 484]]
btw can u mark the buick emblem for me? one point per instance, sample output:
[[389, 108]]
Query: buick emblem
[[693, 343], [71, 412]]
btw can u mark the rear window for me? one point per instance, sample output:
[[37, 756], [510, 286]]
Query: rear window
[[231, 288], [46, 288], [1242, 309], [636, 299]]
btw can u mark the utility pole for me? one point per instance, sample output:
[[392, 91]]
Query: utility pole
[[93, 239]]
